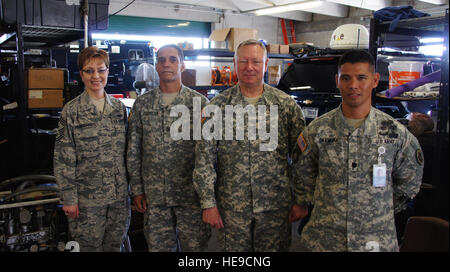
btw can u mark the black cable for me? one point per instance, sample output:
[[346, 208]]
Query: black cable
[[108, 16], [121, 9]]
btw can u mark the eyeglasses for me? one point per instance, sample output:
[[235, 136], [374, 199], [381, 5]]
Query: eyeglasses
[[92, 71]]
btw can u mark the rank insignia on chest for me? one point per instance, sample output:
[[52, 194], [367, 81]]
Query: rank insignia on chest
[[327, 140], [301, 142]]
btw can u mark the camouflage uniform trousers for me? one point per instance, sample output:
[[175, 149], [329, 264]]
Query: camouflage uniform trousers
[[259, 232], [162, 222], [101, 228]]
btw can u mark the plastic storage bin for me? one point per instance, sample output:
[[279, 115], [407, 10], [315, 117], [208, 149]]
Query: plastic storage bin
[[53, 13]]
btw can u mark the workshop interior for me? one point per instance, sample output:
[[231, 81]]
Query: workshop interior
[[41, 39]]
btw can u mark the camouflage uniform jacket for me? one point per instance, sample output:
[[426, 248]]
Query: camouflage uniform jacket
[[334, 173], [159, 166], [89, 156], [249, 179]]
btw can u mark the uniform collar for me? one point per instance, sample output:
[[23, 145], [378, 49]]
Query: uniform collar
[[367, 128], [267, 96], [178, 99], [88, 106]]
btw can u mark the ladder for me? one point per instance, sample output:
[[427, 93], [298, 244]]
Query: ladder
[[288, 33]]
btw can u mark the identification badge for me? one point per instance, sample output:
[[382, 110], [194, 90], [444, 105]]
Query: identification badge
[[379, 175], [379, 170]]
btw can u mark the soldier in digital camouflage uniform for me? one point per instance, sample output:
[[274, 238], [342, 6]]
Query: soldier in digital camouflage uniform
[[89, 160], [160, 166], [335, 170], [252, 187]]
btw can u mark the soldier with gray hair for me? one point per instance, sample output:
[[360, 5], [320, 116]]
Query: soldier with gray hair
[[89, 160], [160, 166], [252, 186], [358, 166]]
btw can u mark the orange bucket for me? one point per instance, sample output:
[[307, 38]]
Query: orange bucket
[[401, 72]]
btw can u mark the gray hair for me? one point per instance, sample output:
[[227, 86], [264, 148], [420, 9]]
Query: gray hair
[[251, 42]]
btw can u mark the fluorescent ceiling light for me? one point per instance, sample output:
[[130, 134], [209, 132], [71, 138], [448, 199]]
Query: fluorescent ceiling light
[[431, 40], [288, 7], [300, 88]]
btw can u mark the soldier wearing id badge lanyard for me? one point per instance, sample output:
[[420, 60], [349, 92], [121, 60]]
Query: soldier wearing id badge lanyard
[[357, 167]]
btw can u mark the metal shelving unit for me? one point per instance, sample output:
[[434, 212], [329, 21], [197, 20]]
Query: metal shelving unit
[[227, 53], [41, 26], [431, 26], [18, 38]]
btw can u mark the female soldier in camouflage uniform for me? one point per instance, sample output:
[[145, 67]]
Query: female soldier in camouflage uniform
[[89, 162]]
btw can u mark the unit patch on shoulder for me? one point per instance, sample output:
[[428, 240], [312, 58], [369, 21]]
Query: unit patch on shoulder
[[301, 142], [419, 156]]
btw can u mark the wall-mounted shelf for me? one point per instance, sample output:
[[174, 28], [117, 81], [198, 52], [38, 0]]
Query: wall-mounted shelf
[[402, 98]]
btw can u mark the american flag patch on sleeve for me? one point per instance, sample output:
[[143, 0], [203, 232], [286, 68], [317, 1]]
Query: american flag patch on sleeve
[[202, 115]]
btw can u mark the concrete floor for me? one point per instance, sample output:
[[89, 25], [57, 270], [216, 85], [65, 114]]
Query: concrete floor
[[139, 244]]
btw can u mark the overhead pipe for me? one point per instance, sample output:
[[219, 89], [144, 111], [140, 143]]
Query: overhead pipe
[[85, 12]]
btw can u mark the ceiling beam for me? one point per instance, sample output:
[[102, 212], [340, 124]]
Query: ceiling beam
[[319, 7], [294, 15], [219, 4], [330, 9], [435, 2], [164, 11], [365, 4]]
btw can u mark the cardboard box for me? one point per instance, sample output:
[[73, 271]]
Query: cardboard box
[[274, 74], [44, 78], [273, 48], [284, 49], [188, 77], [38, 99], [233, 36]]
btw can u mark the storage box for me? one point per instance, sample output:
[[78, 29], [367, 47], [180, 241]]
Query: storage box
[[38, 99], [188, 77], [233, 36], [274, 74], [273, 48], [284, 49], [44, 78]]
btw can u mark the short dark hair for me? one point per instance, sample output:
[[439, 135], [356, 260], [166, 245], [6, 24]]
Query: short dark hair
[[92, 52], [355, 56], [179, 50]]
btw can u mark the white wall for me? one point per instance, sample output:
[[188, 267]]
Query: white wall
[[269, 28]]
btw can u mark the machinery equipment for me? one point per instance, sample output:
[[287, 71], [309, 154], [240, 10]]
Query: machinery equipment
[[31, 218]]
